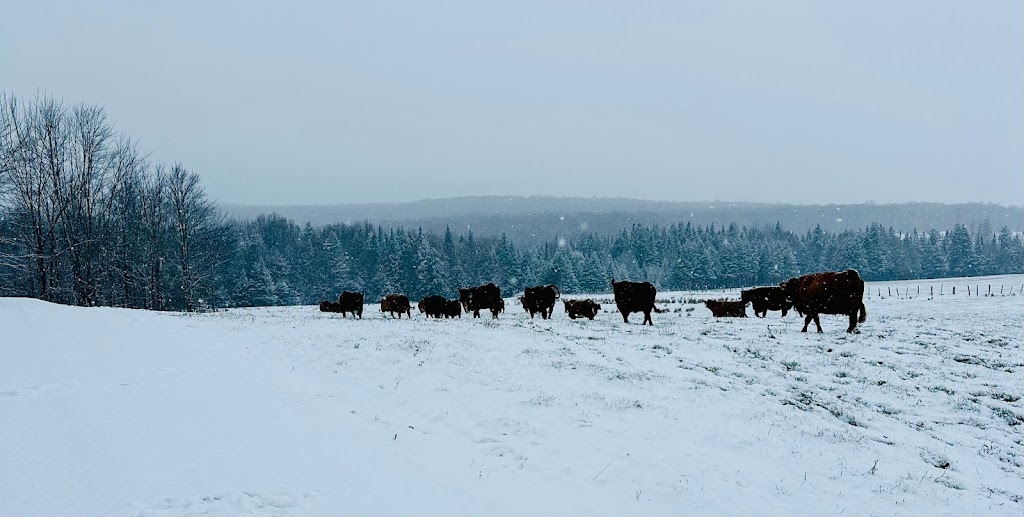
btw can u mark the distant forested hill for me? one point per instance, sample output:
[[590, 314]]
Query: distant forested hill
[[86, 219], [537, 218]]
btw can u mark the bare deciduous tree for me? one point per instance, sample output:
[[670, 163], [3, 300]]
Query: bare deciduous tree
[[195, 219]]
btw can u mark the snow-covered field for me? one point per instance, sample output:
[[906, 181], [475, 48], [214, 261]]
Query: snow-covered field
[[290, 411]]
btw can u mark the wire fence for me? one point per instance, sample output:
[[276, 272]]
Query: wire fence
[[931, 291]]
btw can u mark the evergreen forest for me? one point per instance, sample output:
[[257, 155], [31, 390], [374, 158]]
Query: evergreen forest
[[87, 219]]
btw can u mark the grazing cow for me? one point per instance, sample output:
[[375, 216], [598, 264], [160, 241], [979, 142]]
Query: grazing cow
[[396, 303], [433, 306], [828, 293], [487, 296], [329, 306], [765, 299], [581, 308], [727, 308], [633, 297], [453, 309], [351, 302], [541, 299]]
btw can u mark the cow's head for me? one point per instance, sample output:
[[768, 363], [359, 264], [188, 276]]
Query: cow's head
[[790, 285]]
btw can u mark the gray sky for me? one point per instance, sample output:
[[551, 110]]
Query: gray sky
[[328, 102]]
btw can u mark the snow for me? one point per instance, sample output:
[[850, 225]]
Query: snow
[[288, 411]]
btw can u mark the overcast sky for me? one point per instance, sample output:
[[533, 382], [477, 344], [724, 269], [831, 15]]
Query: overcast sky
[[331, 102]]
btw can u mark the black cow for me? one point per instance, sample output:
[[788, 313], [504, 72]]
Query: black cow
[[633, 297], [351, 302], [581, 308], [828, 293], [487, 296], [396, 303], [329, 306], [433, 306], [765, 299], [541, 299], [727, 308], [453, 309]]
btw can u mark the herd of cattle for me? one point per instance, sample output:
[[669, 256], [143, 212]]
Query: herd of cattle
[[810, 295]]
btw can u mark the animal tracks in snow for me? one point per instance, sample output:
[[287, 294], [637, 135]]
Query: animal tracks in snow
[[228, 502]]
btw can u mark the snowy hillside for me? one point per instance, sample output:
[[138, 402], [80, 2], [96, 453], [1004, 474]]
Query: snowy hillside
[[289, 411]]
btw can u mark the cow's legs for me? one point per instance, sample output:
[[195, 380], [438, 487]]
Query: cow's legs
[[625, 316], [807, 321], [853, 322], [494, 313], [647, 318], [817, 323]]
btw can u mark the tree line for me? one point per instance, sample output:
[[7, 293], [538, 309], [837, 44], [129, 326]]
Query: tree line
[[281, 262], [86, 219]]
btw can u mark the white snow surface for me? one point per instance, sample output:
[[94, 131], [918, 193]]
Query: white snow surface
[[289, 411]]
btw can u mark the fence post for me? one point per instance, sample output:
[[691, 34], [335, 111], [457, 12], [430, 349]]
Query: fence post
[[968, 289], [954, 290], [931, 290], [890, 291]]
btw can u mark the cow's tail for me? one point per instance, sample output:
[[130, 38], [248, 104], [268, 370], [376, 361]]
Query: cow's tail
[[657, 310], [863, 313]]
